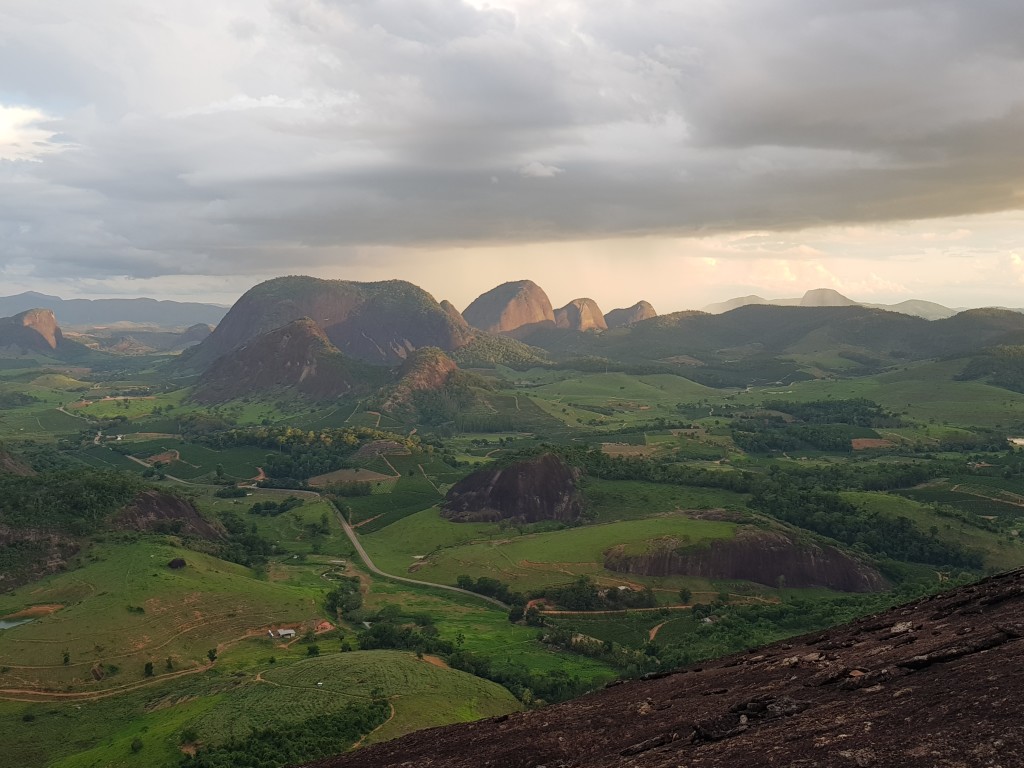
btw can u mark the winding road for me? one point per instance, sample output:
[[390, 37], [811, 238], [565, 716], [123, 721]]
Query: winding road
[[354, 538]]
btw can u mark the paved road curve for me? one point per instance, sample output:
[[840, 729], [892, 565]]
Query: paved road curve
[[374, 569]]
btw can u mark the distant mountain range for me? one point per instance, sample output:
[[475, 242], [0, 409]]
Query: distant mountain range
[[104, 312], [826, 297]]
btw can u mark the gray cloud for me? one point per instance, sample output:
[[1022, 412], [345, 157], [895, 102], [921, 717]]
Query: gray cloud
[[209, 138]]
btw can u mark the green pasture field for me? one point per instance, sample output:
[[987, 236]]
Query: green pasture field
[[974, 499], [526, 562], [615, 500], [925, 391], [1000, 551], [102, 457], [412, 492], [423, 695], [198, 461], [485, 631], [125, 607], [289, 531]]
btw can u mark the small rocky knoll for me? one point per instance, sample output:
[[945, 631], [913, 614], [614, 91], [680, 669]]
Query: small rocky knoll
[[158, 512], [542, 488], [13, 466], [298, 356], [765, 557], [620, 318], [931, 684], [581, 315], [427, 369], [516, 309]]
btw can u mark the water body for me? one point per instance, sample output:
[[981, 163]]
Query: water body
[[10, 623]]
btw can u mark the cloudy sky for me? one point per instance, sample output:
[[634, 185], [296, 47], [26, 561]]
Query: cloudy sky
[[621, 149]]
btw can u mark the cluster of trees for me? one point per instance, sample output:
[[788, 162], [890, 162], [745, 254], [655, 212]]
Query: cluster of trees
[[244, 545], [275, 508], [77, 501], [584, 595], [14, 399], [858, 411], [1003, 366], [300, 454], [761, 437], [485, 585], [345, 599], [292, 743], [829, 514]]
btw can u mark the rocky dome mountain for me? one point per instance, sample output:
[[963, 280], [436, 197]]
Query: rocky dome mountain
[[934, 683], [298, 356], [377, 323], [515, 308], [764, 557], [34, 330], [541, 488], [620, 318], [581, 315]]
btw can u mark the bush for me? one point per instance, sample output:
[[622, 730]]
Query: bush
[[176, 564]]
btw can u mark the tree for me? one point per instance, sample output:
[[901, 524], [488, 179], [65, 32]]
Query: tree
[[67, 658], [148, 669], [313, 650], [136, 745], [170, 664], [685, 596], [212, 655]]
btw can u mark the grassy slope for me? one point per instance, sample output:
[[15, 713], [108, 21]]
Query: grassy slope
[[528, 561]]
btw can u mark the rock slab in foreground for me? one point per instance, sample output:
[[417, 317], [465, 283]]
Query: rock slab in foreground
[[932, 684]]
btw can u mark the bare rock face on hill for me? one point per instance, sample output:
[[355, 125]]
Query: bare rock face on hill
[[12, 466], [297, 356], [931, 684], [620, 318], [765, 557], [452, 312], [581, 315], [543, 488], [372, 322], [34, 330], [427, 369], [514, 309], [158, 512]]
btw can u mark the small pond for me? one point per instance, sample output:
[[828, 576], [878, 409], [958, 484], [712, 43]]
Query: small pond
[[9, 623]]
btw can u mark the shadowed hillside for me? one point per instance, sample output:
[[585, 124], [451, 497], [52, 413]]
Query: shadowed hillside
[[931, 683]]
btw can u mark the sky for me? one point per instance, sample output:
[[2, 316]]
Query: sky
[[682, 153]]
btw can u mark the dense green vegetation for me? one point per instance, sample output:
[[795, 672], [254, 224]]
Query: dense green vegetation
[[316, 737], [676, 449]]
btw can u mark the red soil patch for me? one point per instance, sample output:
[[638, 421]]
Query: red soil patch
[[436, 661], [35, 610], [866, 443], [166, 457]]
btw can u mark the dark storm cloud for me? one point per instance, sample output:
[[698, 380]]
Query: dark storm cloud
[[208, 138]]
